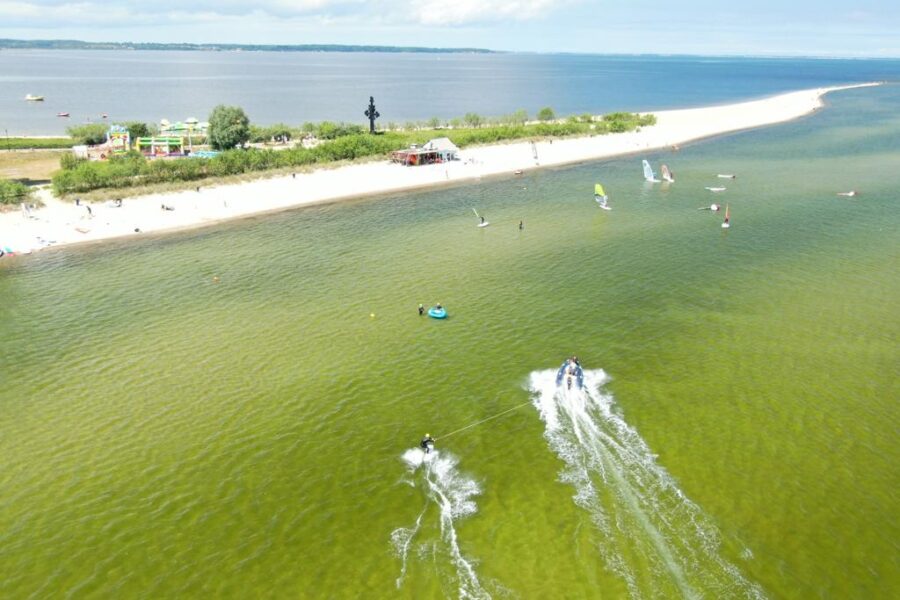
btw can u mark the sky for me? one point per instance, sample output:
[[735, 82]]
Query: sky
[[858, 28]]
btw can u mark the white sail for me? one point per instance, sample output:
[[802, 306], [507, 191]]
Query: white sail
[[649, 175], [667, 174]]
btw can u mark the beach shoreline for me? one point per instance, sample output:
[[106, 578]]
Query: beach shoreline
[[62, 223]]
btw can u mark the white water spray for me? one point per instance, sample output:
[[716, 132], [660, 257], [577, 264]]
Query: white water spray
[[451, 492], [653, 537]]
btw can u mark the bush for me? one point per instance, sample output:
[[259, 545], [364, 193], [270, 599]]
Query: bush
[[69, 161], [13, 192], [91, 134], [546, 114]]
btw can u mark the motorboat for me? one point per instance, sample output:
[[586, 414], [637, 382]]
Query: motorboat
[[570, 373]]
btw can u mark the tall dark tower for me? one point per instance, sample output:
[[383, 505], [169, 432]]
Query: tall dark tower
[[372, 114]]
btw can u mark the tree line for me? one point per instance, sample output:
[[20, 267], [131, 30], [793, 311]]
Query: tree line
[[230, 130]]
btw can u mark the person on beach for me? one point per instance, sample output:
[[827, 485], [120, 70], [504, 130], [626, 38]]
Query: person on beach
[[421, 309], [90, 212], [427, 443], [77, 201]]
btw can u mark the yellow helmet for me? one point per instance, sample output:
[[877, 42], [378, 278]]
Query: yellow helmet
[[427, 435]]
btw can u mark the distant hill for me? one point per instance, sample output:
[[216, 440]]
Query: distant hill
[[79, 45]]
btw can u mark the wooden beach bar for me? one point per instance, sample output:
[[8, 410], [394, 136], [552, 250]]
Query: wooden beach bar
[[438, 150]]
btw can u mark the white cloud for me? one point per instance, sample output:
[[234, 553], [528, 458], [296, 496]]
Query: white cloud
[[460, 12], [50, 14]]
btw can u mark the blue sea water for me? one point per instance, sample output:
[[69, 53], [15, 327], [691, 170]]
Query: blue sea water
[[298, 87]]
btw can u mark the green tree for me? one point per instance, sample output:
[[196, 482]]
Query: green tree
[[546, 114], [434, 122], [229, 127], [137, 129], [473, 120]]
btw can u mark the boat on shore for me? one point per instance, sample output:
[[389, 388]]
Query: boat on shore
[[33, 98], [570, 373]]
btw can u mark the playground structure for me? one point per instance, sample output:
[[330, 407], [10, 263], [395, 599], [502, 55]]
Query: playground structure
[[118, 141], [160, 146], [174, 140]]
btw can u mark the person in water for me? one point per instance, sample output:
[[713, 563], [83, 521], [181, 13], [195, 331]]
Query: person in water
[[439, 307], [427, 443], [421, 309], [521, 225], [482, 220]]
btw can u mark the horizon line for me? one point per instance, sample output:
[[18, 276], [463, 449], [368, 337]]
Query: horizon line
[[336, 47]]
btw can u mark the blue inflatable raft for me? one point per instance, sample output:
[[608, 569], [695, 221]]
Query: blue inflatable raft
[[437, 313]]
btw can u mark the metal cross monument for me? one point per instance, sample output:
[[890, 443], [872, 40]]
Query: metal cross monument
[[372, 114]]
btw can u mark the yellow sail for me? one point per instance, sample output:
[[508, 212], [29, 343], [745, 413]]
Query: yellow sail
[[598, 190]]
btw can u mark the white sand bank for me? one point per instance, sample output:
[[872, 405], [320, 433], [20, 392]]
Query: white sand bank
[[60, 222]]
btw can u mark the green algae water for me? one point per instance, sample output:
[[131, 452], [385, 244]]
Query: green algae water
[[166, 435]]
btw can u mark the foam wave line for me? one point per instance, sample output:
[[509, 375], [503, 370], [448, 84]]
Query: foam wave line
[[652, 536], [452, 494]]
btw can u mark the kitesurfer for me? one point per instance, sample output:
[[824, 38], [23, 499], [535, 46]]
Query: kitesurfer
[[427, 443], [421, 309]]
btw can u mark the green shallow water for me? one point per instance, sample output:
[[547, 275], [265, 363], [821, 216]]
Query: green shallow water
[[163, 435]]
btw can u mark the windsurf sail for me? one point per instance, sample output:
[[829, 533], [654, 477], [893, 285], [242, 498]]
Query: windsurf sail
[[649, 175], [600, 196], [667, 174]]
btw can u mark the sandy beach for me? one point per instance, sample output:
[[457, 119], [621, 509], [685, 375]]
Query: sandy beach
[[62, 222]]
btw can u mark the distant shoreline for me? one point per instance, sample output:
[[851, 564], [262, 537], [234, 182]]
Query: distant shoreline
[[81, 45], [64, 223]]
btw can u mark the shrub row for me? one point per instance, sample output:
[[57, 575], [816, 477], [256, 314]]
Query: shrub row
[[35, 143], [133, 169]]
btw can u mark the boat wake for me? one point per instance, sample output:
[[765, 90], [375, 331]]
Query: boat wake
[[653, 537], [452, 494]]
